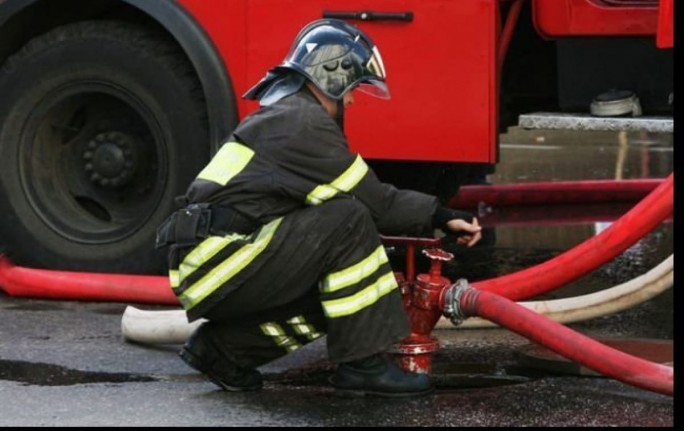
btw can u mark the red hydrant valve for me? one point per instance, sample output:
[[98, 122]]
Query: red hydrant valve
[[414, 352], [428, 287]]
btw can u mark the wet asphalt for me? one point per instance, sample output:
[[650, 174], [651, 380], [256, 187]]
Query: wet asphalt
[[66, 363]]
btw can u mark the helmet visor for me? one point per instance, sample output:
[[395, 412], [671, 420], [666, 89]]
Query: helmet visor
[[374, 88], [372, 80]]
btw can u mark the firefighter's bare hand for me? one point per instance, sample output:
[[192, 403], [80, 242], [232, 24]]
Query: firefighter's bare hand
[[467, 233]]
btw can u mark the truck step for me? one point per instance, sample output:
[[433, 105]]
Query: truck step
[[555, 120]]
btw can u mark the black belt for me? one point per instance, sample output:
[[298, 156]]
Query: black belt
[[198, 221]]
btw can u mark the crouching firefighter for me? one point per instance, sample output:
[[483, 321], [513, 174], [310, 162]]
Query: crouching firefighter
[[278, 243]]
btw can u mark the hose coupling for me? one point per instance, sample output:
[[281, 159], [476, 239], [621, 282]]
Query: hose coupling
[[452, 299]]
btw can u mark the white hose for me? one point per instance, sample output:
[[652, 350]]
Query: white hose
[[172, 326], [157, 326]]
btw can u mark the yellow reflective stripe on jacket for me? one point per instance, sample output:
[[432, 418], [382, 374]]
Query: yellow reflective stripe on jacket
[[368, 296], [229, 267], [354, 273], [274, 331], [344, 183], [300, 326], [230, 160], [203, 252]]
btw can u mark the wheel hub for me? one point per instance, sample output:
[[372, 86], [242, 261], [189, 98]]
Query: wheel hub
[[110, 159]]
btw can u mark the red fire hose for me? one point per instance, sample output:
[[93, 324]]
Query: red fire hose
[[564, 341], [82, 286], [554, 215], [555, 192]]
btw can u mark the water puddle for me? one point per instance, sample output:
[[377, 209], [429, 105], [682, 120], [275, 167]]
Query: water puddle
[[466, 375], [42, 374], [445, 375]]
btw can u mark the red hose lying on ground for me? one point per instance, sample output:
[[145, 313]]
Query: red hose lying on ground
[[592, 253], [83, 286], [568, 343]]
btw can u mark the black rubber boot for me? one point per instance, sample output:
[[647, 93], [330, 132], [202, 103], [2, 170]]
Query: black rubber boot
[[378, 375], [199, 353]]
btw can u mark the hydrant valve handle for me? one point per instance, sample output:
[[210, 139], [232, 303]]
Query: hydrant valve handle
[[437, 254]]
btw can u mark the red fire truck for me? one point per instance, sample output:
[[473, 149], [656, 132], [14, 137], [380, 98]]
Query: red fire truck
[[108, 108]]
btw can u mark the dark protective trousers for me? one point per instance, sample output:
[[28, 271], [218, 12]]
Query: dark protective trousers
[[326, 274]]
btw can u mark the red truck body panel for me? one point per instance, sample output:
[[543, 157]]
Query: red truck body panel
[[440, 67]]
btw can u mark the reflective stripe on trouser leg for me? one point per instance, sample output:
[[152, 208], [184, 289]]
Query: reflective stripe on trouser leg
[[200, 276], [291, 335], [359, 293], [240, 254], [251, 344]]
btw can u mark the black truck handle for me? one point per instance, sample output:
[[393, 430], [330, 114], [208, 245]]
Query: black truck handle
[[369, 15]]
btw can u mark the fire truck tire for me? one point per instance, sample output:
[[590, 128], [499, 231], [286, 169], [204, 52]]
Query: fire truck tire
[[102, 125]]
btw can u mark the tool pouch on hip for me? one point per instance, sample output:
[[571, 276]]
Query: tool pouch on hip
[[185, 226]]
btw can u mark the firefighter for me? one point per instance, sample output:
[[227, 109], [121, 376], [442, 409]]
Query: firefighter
[[278, 241]]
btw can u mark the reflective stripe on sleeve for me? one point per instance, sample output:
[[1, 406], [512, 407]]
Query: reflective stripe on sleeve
[[343, 183], [227, 269], [370, 295], [230, 160]]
